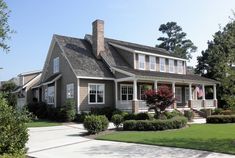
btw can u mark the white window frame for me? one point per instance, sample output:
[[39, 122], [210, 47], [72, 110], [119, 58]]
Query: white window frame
[[162, 64], [56, 63], [70, 91], [152, 63], [141, 57], [186, 95], [180, 67], [50, 98], [180, 94], [171, 66], [126, 85], [96, 94]]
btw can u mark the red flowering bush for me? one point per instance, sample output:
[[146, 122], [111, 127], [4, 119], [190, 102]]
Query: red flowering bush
[[159, 100]]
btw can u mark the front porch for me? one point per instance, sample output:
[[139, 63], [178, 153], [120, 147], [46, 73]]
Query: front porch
[[128, 96]]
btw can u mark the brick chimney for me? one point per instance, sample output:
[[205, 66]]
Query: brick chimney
[[98, 37]]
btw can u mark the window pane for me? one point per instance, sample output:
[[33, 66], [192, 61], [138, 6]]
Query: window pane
[[141, 61], [130, 97], [162, 64], [92, 98], [92, 89], [124, 97], [130, 90], [100, 98]]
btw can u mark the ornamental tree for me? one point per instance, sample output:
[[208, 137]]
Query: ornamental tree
[[159, 100]]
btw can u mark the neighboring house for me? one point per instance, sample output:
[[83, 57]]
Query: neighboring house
[[99, 72], [24, 92]]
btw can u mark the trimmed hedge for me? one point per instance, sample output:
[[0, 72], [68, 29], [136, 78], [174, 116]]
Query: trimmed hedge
[[221, 119], [117, 120], [95, 124], [154, 125], [172, 114], [139, 116]]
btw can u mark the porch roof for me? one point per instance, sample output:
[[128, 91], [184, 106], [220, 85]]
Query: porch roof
[[164, 75]]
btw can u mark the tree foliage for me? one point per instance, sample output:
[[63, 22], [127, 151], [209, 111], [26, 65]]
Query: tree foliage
[[7, 89], [5, 29], [160, 99], [176, 41], [218, 62]]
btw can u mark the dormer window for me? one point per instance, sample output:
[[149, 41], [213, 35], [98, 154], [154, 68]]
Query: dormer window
[[56, 65], [162, 65], [141, 62], [171, 66], [180, 67], [152, 63]]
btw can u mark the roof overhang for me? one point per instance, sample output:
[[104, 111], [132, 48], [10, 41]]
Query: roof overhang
[[53, 80]]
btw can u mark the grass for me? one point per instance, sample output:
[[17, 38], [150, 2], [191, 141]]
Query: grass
[[42, 123], [209, 137]]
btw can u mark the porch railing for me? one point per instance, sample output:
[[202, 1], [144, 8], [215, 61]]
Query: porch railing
[[198, 104], [209, 103], [127, 106]]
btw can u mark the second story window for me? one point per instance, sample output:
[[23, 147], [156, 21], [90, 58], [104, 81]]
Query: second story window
[[180, 67], [171, 66], [56, 65], [141, 62], [162, 65], [152, 63]]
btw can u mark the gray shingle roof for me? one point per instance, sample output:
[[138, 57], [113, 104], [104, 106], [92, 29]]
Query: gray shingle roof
[[80, 56], [192, 77]]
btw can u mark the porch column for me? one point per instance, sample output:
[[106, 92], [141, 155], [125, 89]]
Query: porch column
[[155, 85], [190, 96], [173, 90], [203, 96], [134, 89], [135, 102], [214, 96], [116, 93]]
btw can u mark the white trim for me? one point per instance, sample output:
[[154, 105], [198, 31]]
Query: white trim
[[139, 63], [214, 92], [134, 60], [145, 53], [162, 59], [116, 93], [78, 95], [124, 79], [32, 80], [186, 89], [100, 84], [49, 82], [30, 72], [55, 94], [96, 78]]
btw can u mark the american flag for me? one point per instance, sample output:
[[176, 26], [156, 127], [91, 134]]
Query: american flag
[[199, 91]]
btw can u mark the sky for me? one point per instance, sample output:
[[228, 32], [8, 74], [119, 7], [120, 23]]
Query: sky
[[35, 22]]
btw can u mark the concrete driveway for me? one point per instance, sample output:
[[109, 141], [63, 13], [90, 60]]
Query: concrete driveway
[[65, 142]]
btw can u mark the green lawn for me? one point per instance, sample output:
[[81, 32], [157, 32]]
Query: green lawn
[[210, 137], [42, 123]]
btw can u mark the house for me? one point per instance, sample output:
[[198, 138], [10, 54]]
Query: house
[[97, 72], [24, 91]]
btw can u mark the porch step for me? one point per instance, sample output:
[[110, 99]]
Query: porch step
[[198, 114]]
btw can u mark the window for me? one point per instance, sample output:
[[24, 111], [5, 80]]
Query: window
[[186, 94], [144, 88], [141, 62], [70, 90], [51, 95], [96, 93], [180, 67], [171, 66], [45, 94], [56, 65], [178, 94], [126, 92], [152, 63], [162, 65]]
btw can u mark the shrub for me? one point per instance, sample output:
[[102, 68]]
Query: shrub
[[217, 111], [15, 155], [95, 124], [117, 120], [39, 109], [143, 116], [130, 116], [107, 111], [66, 112], [189, 114], [221, 119], [227, 112], [80, 117], [172, 114], [13, 135], [154, 125]]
